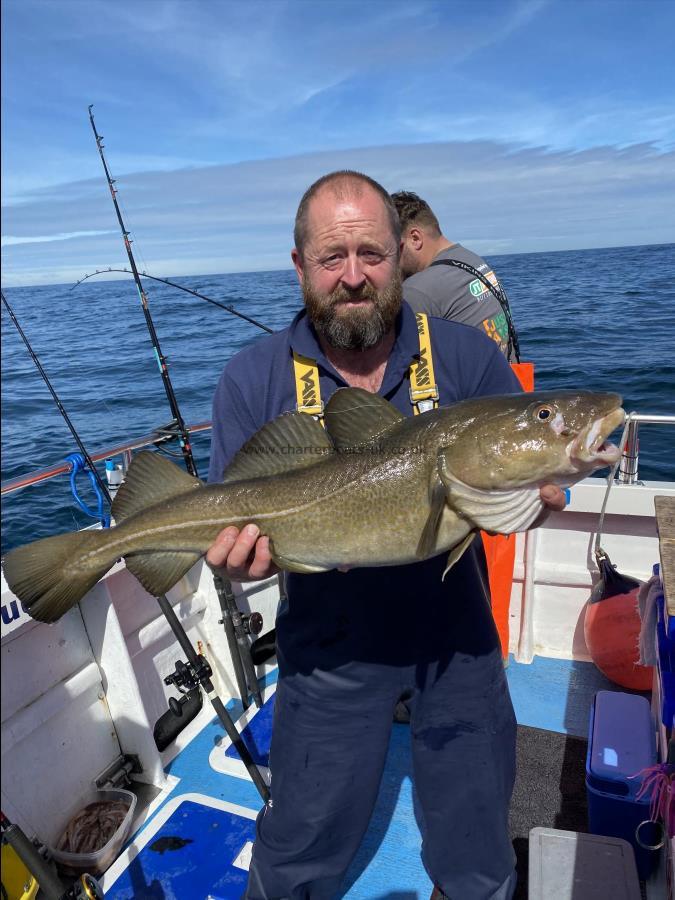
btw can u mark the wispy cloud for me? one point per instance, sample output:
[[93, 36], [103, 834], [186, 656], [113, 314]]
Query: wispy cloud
[[10, 240], [201, 83], [496, 197], [230, 108]]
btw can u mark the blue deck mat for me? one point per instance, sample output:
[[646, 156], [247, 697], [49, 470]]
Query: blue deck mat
[[190, 856], [556, 694], [257, 735], [550, 694]]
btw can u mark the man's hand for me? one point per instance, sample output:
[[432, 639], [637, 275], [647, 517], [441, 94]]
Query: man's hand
[[241, 555], [553, 497], [554, 501]]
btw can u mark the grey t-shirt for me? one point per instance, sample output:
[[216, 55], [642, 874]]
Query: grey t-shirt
[[449, 292]]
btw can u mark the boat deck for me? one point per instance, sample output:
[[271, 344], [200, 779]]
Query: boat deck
[[196, 840]]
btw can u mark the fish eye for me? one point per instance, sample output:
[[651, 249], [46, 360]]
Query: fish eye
[[544, 413]]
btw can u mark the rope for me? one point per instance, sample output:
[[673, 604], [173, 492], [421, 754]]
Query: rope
[[599, 552], [77, 463]]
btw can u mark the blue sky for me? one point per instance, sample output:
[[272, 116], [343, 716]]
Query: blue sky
[[527, 124]]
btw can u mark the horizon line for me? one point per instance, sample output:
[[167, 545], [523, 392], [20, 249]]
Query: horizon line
[[290, 268]]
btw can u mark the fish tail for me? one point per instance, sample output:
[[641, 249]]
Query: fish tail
[[51, 575]]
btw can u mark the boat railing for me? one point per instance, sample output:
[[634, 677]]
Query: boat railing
[[153, 438], [628, 467]]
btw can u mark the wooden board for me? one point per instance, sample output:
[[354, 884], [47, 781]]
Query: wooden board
[[665, 525]]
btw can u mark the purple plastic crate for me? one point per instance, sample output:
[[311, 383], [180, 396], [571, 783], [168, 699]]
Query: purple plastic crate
[[621, 744]]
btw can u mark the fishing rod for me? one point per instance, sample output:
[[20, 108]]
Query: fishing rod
[[196, 672], [187, 290], [181, 430], [241, 652], [92, 468]]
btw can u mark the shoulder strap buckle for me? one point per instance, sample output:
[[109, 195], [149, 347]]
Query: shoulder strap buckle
[[315, 409]]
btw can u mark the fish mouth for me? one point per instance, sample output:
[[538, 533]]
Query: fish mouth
[[591, 444]]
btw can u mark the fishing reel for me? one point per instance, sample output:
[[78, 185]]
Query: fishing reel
[[188, 676], [252, 622], [182, 710], [85, 888]]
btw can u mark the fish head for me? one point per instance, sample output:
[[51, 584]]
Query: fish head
[[543, 437]]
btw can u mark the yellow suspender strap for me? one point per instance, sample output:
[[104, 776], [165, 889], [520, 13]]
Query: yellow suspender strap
[[307, 387], [423, 387]]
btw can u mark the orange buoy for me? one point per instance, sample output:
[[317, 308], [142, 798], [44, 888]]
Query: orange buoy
[[612, 629]]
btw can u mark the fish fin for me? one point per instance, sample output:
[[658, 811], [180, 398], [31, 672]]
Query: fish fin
[[292, 441], [159, 571], [355, 417], [500, 512], [292, 565], [427, 542], [457, 552], [51, 575], [150, 479]]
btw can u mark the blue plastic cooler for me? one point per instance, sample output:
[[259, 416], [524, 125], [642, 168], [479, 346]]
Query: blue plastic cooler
[[621, 743], [665, 665]]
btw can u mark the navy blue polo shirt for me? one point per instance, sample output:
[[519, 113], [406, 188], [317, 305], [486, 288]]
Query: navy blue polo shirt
[[394, 615]]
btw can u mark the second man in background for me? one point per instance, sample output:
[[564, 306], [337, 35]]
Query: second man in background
[[434, 284]]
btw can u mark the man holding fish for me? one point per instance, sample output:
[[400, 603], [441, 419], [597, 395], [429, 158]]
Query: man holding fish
[[351, 641], [424, 440]]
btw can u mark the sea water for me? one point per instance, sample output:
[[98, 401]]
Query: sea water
[[596, 319]]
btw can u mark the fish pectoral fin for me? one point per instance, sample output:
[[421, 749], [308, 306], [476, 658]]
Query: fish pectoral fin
[[291, 565], [150, 479], [292, 441], [355, 417], [158, 571], [457, 552], [427, 542], [497, 511]]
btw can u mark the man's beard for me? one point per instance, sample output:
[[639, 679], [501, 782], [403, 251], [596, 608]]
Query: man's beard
[[348, 327]]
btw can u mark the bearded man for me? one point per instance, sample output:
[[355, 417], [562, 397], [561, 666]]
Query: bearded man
[[350, 643]]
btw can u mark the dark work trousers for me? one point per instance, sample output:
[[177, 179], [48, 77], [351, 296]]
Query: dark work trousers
[[342, 669]]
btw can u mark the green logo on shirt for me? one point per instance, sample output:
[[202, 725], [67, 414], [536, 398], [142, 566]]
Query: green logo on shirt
[[477, 288]]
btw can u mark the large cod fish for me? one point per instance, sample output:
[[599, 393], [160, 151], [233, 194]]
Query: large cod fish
[[373, 489]]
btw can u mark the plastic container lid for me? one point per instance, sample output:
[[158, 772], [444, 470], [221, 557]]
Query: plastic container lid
[[566, 865], [97, 861], [622, 742]]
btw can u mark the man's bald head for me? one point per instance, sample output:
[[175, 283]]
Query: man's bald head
[[343, 185]]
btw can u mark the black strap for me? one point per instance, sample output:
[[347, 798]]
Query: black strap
[[498, 293]]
